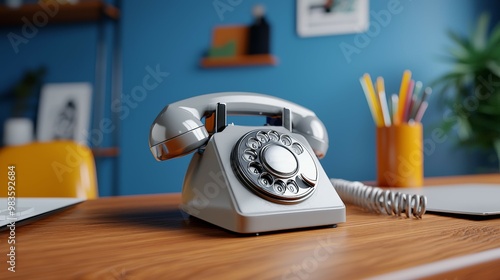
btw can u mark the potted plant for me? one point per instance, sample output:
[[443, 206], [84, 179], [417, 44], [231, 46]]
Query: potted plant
[[18, 129], [471, 89]]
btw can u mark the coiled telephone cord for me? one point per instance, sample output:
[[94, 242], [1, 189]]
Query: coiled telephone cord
[[379, 200]]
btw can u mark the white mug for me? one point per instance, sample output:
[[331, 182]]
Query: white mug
[[17, 131]]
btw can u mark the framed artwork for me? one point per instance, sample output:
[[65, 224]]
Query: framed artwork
[[330, 17], [64, 112]]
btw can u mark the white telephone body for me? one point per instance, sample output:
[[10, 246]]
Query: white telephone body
[[249, 179]]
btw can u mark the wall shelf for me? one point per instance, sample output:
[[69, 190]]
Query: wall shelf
[[106, 152], [80, 12], [240, 61]]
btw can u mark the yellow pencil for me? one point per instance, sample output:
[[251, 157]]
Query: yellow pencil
[[374, 100], [403, 91], [367, 95]]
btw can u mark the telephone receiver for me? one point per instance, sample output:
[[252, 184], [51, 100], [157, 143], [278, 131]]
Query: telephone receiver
[[249, 179]]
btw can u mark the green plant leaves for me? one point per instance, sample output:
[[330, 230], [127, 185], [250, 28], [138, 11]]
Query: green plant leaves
[[471, 89], [479, 36], [494, 67]]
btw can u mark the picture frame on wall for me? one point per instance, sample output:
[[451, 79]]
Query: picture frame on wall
[[332, 17], [64, 112]]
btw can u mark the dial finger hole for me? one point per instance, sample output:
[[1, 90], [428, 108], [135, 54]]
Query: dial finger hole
[[279, 187], [297, 148], [273, 135], [292, 187], [249, 155], [253, 143], [262, 137], [255, 168], [266, 180], [286, 140]]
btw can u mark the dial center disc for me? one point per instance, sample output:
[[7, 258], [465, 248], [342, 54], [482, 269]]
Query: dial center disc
[[279, 160]]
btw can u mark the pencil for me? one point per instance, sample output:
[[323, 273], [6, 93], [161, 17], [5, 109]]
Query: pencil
[[421, 111], [403, 91], [383, 101], [394, 107], [414, 100], [368, 99], [409, 96], [425, 95], [373, 99]]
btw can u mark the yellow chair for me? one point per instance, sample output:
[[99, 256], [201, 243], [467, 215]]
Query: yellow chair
[[49, 169]]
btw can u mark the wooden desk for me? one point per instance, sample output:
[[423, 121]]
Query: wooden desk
[[147, 237]]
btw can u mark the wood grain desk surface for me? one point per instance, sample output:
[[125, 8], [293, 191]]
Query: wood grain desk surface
[[147, 237]]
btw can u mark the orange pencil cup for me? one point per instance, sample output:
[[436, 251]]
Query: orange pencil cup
[[400, 160]]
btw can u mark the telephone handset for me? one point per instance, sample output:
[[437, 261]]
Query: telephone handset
[[249, 179]]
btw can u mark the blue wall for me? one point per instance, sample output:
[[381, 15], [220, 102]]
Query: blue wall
[[172, 35]]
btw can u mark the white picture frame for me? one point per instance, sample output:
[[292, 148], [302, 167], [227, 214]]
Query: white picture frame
[[64, 112], [332, 17]]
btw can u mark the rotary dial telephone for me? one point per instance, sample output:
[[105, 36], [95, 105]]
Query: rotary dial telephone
[[249, 179]]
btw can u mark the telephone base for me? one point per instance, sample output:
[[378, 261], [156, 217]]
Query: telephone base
[[213, 193], [243, 232], [271, 222]]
